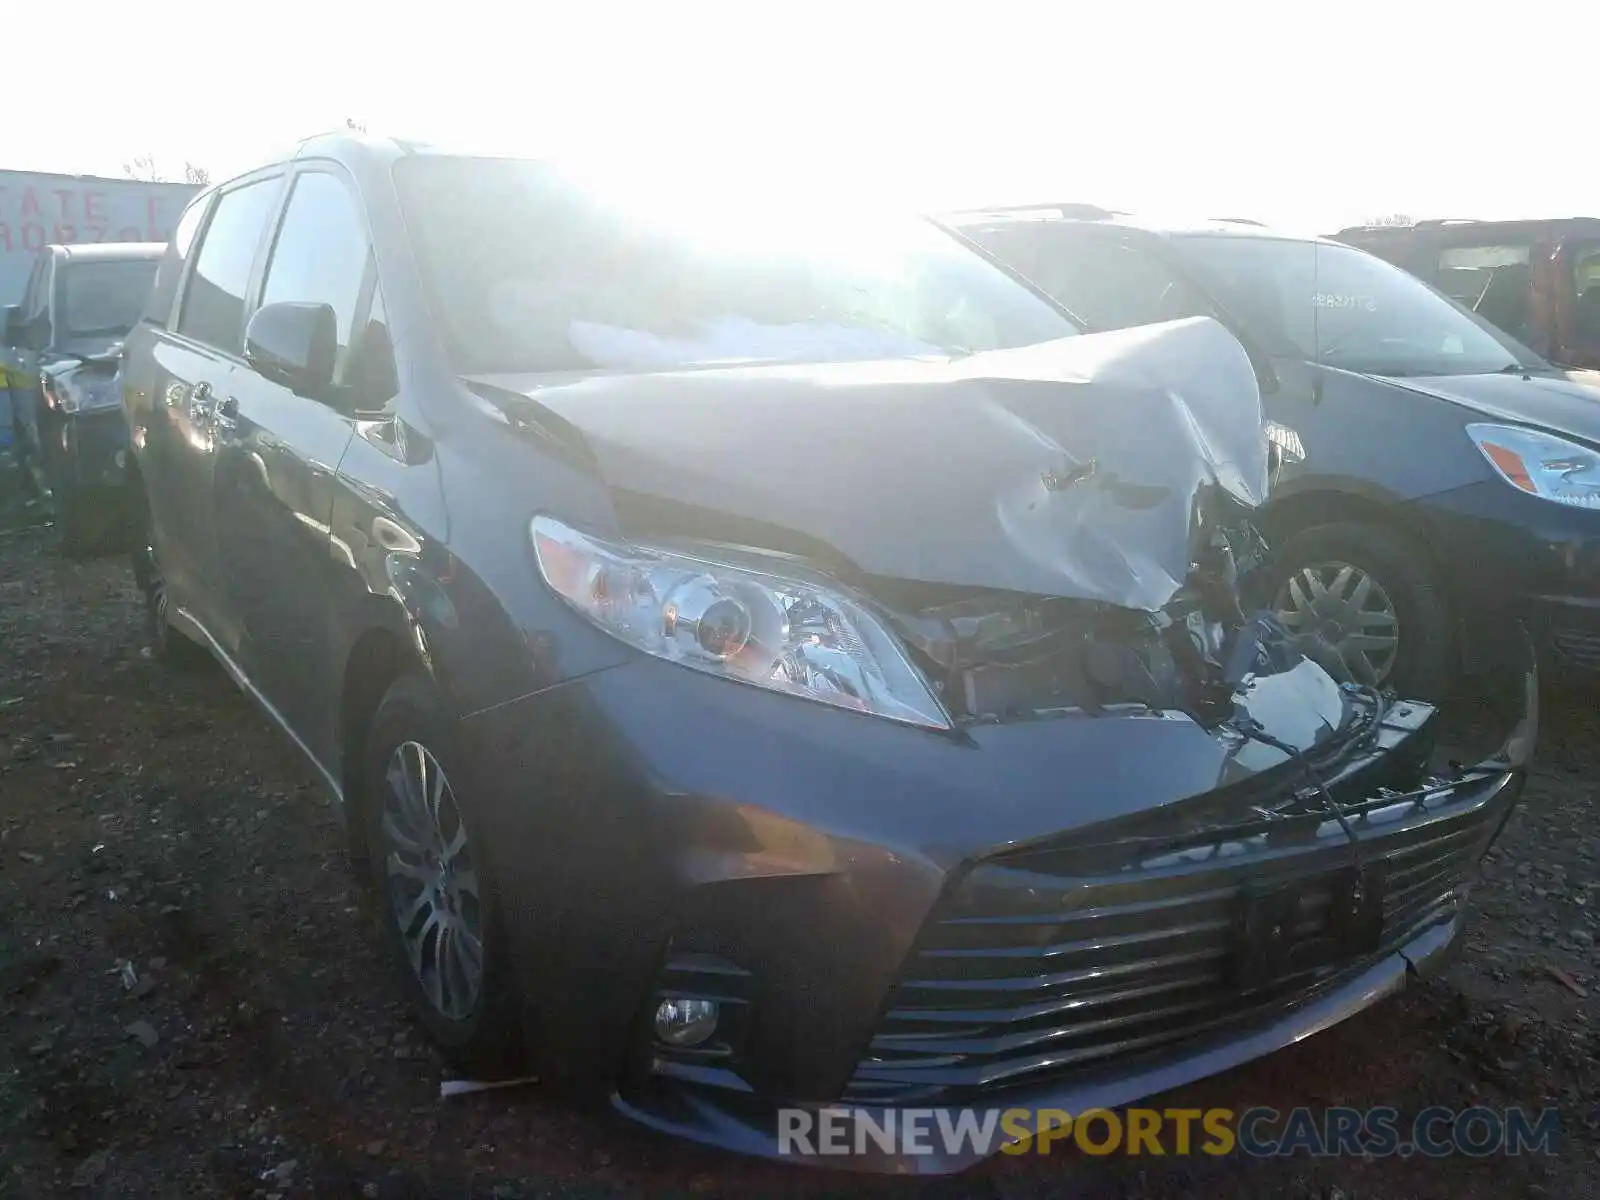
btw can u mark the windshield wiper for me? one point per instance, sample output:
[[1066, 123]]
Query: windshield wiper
[[1515, 369]]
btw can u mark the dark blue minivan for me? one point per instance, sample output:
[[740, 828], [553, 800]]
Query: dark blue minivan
[[1447, 488]]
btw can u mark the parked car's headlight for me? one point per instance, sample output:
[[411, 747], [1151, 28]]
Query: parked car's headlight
[[75, 392], [786, 632], [1541, 464], [1286, 440]]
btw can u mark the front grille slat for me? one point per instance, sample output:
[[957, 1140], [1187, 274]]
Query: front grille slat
[[1028, 969]]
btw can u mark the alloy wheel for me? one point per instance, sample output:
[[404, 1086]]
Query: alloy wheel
[[432, 881], [1347, 609]]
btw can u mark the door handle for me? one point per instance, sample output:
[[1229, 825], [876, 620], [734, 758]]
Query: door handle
[[199, 394]]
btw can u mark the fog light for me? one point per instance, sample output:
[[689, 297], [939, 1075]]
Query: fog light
[[686, 1022]]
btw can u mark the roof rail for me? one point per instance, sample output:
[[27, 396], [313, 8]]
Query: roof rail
[[1083, 212], [1374, 229], [1240, 221]]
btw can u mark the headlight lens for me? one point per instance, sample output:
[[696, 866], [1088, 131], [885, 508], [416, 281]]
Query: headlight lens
[[1541, 464], [1287, 441], [800, 636]]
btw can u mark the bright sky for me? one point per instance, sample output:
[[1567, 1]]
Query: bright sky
[[1307, 115]]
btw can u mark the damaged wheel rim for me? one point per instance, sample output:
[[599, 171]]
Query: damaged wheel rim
[[432, 881], [1346, 609]]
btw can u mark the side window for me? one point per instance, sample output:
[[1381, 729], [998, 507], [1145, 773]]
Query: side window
[[321, 254], [1586, 289], [370, 368], [213, 303], [158, 307], [1113, 285], [1492, 280]]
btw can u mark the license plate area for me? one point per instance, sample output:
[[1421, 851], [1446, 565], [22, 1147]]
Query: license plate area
[[1285, 927]]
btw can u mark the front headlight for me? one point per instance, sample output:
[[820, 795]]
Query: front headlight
[[1286, 440], [1541, 464], [786, 632]]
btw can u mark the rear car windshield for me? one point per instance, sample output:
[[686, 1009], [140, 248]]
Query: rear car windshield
[[1346, 308], [532, 269], [105, 297]]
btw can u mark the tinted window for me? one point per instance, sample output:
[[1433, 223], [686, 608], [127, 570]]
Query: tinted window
[[103, 297], [1104, 280], [213, 305], [1348, 309], [531, 270], [159, 306], [321, 253], [369, 368]]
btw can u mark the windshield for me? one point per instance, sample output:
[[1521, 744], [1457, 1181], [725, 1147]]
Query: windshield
[[105, 297], [1346, 308], [530, 270]]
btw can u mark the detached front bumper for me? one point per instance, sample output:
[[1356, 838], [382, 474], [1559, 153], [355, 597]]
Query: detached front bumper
[[1041, 914]]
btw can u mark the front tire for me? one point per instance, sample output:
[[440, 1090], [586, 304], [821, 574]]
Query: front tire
[[432, 894], [1367, 590]]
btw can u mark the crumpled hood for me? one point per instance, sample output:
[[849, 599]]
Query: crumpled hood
[[1562, 403], [1075, 468]]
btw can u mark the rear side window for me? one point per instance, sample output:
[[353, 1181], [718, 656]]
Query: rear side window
[[101, 298], [158, 305], [213, 304], [321, 255]]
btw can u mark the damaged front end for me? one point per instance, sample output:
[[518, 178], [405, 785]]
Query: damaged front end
[[1027, 557], [1000, 657]]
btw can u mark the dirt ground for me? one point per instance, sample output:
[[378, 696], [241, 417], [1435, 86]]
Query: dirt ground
[[192, 1005]]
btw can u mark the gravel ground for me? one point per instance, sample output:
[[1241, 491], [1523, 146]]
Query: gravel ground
[[193, 1005]]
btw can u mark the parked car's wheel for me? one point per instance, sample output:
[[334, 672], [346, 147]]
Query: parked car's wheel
[[433, 896], [1368, 593]]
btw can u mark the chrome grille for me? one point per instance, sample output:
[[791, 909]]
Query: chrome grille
[[1056, 960]]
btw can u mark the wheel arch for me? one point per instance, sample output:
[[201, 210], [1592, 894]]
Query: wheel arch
[[1305, 509], [379, 656]]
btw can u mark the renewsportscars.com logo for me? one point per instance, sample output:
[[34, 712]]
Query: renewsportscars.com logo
[[1383, 1132]]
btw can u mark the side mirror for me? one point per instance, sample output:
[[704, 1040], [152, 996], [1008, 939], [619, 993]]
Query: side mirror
[[294, 343]]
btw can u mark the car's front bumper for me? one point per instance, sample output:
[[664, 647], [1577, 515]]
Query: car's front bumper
[[1513, 560], [755, 1128], [892, 918]]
